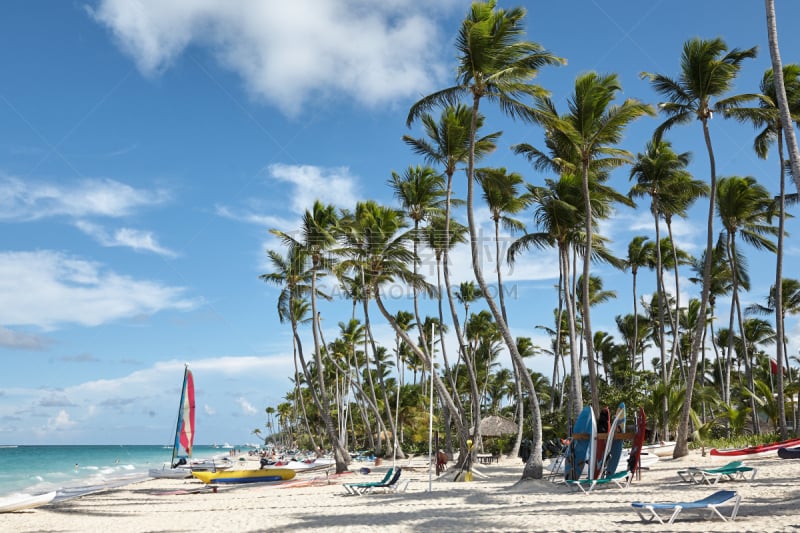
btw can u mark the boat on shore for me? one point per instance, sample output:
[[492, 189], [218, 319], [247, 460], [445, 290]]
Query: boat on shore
[[662, 449], [789, 453], [246, 476], [18, 502], [184, 434], [754, 451]]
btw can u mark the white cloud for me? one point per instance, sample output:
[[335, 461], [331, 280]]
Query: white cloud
[[120, 401], [60, 422], [329, 185], [249, 216], [289, 53], [50, 288], [246, 406], [22, 341], [25, 200], [132, 238]]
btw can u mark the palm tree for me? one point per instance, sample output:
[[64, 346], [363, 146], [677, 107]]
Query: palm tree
[[500, 191], [655, 170], [640, 253], [557, 218], [773, 131], [420, 191], [590, 132], [494, 64], [376, 244], [744, 207], [780, 92], [316, 238], [290, 273], [707, 72], [502, 195], [451, 142]]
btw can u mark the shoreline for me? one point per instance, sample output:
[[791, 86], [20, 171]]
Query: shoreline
[[497, 502]]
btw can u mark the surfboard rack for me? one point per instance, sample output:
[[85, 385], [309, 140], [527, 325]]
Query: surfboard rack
[[617, 436]]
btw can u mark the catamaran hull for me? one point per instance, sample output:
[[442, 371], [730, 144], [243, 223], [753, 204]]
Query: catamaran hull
[[245, 476], [170, 473]]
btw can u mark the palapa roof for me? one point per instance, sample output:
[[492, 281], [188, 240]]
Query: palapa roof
[[495, 426]]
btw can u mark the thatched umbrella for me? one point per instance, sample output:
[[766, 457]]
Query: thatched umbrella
[[496, 426]]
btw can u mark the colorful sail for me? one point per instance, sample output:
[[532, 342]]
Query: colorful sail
[[184, 432]]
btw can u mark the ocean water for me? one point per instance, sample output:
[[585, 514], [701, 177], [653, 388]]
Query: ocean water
[[74, 470]]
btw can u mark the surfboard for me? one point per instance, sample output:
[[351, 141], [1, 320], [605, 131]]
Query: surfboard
[[602, 428], [580, 452], [634, 460], [614, 452]]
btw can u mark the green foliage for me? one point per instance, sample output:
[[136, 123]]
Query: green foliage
[[738, 441]]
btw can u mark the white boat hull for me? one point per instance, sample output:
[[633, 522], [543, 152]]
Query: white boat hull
[[664, 449], [18, 502]]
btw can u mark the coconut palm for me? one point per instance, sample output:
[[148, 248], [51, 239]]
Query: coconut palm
[[654, 170], [590, 132], [640, 253], [558, 217], [376, 244], [744, 207], [502, 195], [450, 143], [707, 73], [316, 238], [421, 194], [773, 132], [495, 64]]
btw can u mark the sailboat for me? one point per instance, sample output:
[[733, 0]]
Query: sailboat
[[184, 434]]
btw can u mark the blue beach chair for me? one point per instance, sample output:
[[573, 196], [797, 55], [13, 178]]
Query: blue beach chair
[[649, 511]]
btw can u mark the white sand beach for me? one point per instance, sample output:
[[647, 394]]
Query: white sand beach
[[499, 502]]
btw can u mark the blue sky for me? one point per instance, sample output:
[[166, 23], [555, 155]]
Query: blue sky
[[146, 148]]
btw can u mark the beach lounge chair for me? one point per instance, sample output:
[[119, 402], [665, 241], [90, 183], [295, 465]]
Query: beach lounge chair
[[353, 488], [389, 486], [649, 511], [711, 476], [621, 479]]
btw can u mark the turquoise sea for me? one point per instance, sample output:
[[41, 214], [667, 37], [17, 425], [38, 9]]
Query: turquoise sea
[[74, 470]]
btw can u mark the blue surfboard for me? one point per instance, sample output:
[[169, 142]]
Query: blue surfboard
[[615, 452], [578, 452]]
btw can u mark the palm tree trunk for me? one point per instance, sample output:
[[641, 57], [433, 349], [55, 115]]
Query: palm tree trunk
[[341, 456], [444, 395], [576, 381], [780, 90], [533, 468], [473, 380], [682, 442], [635, 346], [299, 352], [587, 261], [666, 374], [779, 333], [517, 379]]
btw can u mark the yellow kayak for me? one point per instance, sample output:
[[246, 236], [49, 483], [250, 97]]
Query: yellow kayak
[[245, 476]]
